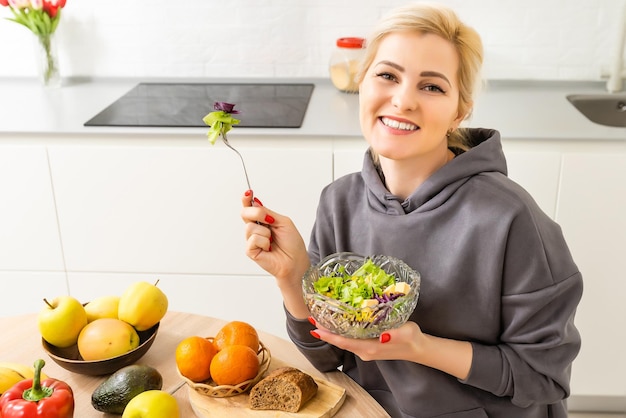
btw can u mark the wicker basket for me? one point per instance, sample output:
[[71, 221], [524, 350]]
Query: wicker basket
[[222, 391]]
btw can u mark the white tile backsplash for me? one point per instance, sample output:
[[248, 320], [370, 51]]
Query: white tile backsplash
[[534, 39]]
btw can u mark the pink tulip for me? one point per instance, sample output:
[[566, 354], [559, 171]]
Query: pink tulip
[[19, 4]]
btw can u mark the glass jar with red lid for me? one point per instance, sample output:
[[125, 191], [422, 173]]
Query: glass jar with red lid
[[345, 63]]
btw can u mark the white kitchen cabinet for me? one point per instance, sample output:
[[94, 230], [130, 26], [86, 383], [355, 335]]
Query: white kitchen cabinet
[[168, 209], [29, 237], [348, 160], [538, 173], [592, 213]]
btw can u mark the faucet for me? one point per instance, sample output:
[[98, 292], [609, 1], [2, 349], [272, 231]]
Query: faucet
[[614, 83]]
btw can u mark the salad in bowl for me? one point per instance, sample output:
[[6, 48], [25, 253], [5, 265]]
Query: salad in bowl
[[360, 296]]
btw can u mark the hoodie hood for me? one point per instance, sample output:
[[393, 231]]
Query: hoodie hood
[[485, 155]]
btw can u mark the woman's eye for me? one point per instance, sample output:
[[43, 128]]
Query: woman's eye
[[434, 88], [386, 76]]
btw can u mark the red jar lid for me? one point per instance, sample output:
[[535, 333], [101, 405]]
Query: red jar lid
[[350, 42]]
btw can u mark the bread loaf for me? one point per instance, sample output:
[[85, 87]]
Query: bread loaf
[[285, 389]]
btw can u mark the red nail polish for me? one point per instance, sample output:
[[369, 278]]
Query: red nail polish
[[315, 334], [312, 321], [248, 192], [271, 239], [257, 201], [270, 248], [269, 219], [385, 337]]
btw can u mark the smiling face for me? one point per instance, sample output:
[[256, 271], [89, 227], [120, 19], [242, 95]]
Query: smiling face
[[409, 98]]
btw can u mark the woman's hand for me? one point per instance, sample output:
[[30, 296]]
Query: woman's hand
[[409, 343], [401, 343], [274, 243]]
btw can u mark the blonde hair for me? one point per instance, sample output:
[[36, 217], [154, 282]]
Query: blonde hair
[[442, 21]]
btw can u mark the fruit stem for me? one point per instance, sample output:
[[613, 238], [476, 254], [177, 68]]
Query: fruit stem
[[157, 282], [37, 392], [48, 303]]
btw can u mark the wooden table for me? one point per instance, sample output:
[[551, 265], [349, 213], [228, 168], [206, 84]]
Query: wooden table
[[20, 341]]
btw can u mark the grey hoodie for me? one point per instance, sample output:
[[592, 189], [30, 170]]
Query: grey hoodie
[[495, 270]]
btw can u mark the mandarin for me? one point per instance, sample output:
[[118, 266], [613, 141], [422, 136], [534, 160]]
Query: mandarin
[[237, 333], [193, 358], [234, 364]]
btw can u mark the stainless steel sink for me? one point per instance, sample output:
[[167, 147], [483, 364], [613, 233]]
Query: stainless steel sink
[[604, 109]]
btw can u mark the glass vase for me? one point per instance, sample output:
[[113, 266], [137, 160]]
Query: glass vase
[[47, 61]]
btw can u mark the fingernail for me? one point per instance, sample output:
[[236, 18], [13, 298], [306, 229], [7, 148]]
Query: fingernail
[[315, 334], [269, 219], [257, 201], [271, 239], [312, 321], [385, 337], [248, 192]]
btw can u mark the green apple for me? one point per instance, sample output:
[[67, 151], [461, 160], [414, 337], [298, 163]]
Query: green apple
[[61, 320], [105, 338], [102, 307], [152, 404], [142, 305]]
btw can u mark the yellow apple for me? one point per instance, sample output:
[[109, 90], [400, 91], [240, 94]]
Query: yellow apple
[[61, 320], [142, 305], [105, 338], [152, 404], [102, 307]]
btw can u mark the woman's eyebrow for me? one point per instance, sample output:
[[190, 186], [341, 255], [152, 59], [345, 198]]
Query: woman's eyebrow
[[391, 64], [435, 74], [422, 74]]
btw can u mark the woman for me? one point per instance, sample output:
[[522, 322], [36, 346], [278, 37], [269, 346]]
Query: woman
[[493, 334]]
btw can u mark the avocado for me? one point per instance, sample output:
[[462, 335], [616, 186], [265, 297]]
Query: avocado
[[117, 390]]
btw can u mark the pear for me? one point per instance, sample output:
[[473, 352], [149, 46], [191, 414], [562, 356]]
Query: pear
[[142, 305]]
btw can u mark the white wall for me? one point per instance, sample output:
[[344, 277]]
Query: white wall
[[532, 39]]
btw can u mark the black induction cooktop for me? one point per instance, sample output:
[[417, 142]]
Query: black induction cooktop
[[185, 104]]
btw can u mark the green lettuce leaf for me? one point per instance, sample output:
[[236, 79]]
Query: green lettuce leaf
[[367, 281], [220, 123]]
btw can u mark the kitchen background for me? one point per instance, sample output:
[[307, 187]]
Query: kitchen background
[[98, 224], [533, 39]]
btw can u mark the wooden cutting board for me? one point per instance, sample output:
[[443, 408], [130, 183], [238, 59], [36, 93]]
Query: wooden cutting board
[[325, 404]]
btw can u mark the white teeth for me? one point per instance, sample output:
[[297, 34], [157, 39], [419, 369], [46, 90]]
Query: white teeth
[[399, 125]]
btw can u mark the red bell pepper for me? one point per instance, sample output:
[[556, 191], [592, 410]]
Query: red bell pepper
[[32, 398]]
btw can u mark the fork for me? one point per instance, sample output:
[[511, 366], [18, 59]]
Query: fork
[[243, 164]]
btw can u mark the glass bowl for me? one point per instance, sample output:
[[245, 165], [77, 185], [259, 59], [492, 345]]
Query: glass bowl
[[360, 322]]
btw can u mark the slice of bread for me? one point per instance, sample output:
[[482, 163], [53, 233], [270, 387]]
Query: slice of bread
[[284, 389]]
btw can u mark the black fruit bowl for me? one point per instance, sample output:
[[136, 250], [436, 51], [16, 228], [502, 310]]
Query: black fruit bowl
[[69, 358]]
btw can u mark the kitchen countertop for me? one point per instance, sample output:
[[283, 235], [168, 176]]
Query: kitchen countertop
[[519, 110]]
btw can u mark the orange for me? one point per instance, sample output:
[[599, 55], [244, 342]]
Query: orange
[[193, 358], [234, 364], [237, 333]]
